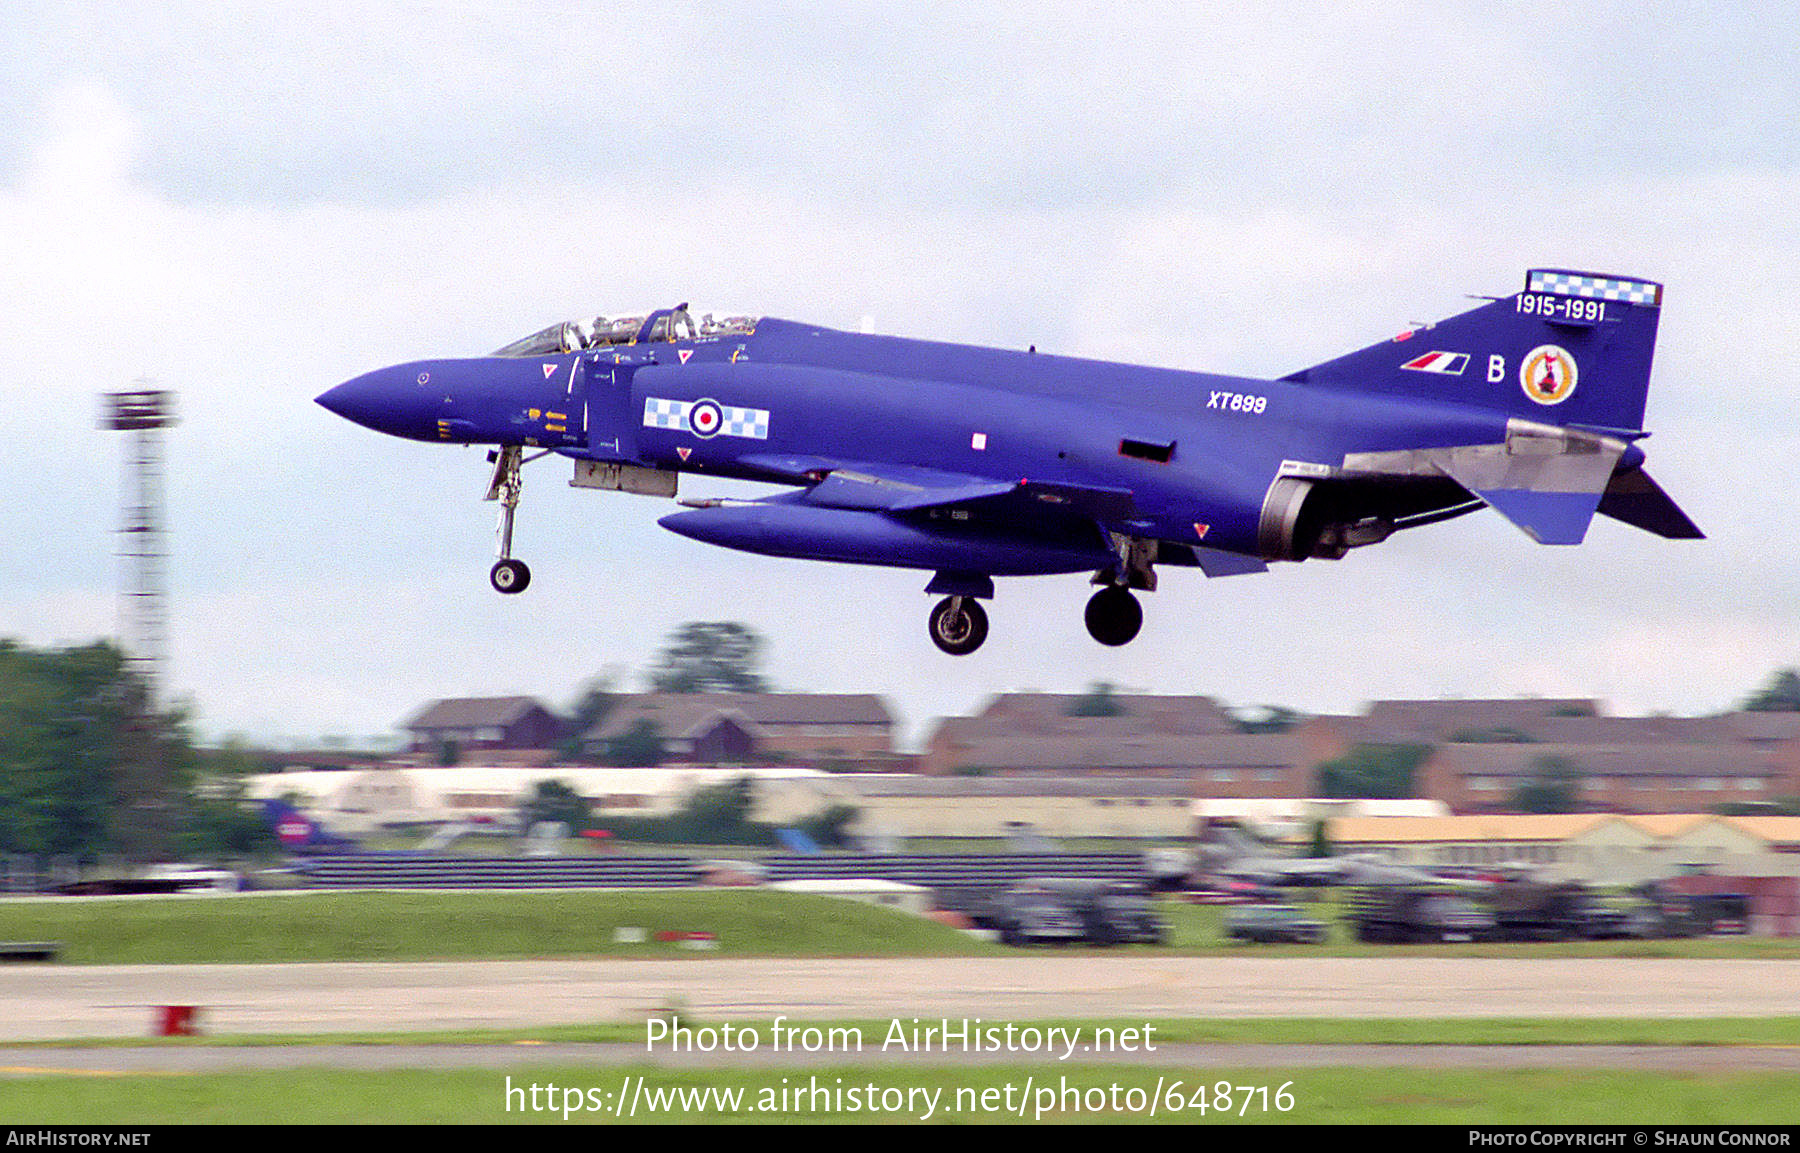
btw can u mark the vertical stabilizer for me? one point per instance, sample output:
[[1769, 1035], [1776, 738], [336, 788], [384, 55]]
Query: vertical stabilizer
[[1572, 348]]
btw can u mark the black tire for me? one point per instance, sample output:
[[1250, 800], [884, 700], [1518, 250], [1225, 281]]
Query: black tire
[[510, 576], [958, 625], [1114, 616]]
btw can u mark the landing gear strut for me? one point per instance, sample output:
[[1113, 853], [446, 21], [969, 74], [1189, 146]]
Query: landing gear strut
[[958, 625], [508, 575], [1114, 616]]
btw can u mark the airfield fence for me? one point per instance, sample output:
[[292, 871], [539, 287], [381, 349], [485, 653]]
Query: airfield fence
[[955, 870], [429, 871]]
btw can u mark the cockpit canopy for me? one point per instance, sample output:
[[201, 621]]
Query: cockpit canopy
[[662, 326]]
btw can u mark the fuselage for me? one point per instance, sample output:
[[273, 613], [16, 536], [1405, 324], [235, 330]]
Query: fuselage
[[975, 463], [788, 402]]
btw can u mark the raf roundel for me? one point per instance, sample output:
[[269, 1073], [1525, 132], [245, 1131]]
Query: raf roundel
[[1548, 374], [705, 419]]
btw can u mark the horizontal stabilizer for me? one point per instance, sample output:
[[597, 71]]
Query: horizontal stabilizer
[[1637, 500], [1546, 517], [1544, 479]]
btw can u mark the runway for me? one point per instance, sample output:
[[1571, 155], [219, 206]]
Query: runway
[[127, 1060], [90, 1002]]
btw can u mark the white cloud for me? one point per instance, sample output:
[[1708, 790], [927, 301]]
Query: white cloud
[[1228, 193]]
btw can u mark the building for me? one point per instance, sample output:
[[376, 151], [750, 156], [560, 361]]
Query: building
[[825, 730], [359, 803], [1600, 847], [481, 727], [894, 805], [1442, 722], [1624, 778], [1035, 733]]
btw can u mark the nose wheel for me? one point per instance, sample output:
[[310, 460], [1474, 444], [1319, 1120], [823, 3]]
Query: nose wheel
[[510, 576], [958, 625]]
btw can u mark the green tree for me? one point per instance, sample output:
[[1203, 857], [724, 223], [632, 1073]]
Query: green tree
[[598, 699], [639, 747], [1499, 735], [710, 657], [1100, 700], [1268, 719], [1555, 787], [830, 826], [1373, 771], [84, 768], [1780, 695], [718, 814], [219, 822], [555, 801]]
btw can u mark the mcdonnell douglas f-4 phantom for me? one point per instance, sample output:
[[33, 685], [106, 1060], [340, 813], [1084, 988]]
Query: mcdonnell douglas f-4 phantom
[[975, 463]]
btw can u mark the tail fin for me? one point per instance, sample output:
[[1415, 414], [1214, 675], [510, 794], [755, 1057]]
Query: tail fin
[[1572, 349], [1567, 361]]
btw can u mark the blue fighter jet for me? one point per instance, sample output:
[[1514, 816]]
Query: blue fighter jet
[[976, 463]]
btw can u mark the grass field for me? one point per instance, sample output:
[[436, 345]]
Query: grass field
[[834, 1093], [1689, 1031], [378, 926], [401, 926]]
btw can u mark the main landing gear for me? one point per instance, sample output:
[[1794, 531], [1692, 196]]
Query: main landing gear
[[959, 625], [1114, 616], [508, 575]]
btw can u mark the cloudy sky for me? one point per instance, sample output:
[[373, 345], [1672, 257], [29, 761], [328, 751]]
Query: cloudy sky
[[248, 203]]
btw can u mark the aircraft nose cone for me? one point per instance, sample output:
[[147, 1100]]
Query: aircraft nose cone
[[363, 399], [391, 400]]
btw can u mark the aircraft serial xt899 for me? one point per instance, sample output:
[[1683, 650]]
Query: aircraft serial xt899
[[976, 463]]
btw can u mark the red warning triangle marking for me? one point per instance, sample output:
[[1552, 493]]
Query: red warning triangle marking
[[683, 452], [684, 354], [548, 369], [1200, 530]]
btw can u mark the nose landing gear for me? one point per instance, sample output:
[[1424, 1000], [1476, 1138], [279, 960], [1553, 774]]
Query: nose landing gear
[[508, 575]]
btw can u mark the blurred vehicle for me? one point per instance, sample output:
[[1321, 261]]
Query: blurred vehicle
[[1658, 911], [1533, 910], [1266, 924], [1398, 915], [1033, 913], [1111, 912], [1727, 913]]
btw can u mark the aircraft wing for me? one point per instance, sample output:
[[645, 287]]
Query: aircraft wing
[[898, 488], [901, 489]]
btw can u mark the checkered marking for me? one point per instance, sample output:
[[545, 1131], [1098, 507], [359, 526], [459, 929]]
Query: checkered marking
[[1594, 287], [706, 418]]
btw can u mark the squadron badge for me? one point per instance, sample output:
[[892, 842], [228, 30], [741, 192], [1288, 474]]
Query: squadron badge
[[1548, 374]]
